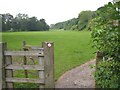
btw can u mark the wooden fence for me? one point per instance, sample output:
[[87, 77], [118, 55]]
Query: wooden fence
[[45, 67]]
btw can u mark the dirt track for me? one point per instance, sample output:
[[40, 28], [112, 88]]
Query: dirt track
[[79, 77]]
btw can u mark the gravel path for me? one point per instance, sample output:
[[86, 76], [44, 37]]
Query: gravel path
[[79, 77]]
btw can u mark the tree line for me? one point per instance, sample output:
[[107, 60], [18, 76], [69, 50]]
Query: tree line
[[83, 21], [79, 23], [22, 22]]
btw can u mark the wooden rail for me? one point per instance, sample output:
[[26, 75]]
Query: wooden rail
[[25, 80], [25, 67], [23, 53]]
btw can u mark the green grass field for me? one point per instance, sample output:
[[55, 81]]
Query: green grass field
[[71, 48]]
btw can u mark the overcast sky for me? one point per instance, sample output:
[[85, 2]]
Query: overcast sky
[[52, 11]]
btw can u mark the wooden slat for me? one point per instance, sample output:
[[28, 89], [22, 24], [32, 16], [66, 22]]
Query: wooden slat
[[36, 48], [29, 47], [41, 73], [25, 80], [25, 67], [41, 63], [24, 53]]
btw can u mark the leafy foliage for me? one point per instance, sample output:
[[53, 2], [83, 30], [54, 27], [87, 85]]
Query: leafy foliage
[[104, 33], [108, 74], [106, 38]]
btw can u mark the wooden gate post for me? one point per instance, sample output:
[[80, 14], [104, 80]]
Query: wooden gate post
[[4, 62], [2, 65], [49, 64], [2, 77]]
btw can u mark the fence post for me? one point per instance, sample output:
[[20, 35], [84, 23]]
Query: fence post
[[49, 64], [2, 76], [8, 73], [6, 60], [2, 65], [25, 59], [99, 56]]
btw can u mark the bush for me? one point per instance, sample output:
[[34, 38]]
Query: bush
[[106, 38], [107, 74]]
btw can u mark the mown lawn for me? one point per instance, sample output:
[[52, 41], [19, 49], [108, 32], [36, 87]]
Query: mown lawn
[[72, 48]]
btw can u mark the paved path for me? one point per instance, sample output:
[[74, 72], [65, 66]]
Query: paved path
[[79, 77]]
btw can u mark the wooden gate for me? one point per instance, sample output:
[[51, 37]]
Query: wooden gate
[[45, 67]]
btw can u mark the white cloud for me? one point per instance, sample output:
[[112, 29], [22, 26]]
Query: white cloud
[[51, 10]]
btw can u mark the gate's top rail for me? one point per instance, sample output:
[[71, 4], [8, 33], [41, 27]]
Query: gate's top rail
[[24, 53]]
